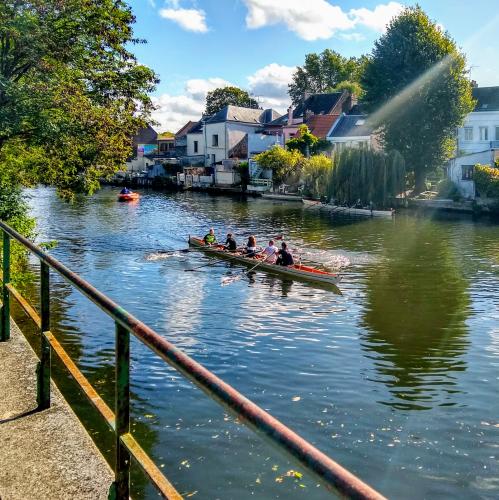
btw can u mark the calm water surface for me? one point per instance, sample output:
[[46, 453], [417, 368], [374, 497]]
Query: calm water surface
[[396, 378]]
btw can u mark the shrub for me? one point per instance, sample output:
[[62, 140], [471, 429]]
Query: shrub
[[283, 163], [316, 175], [487, 180], [448, 189]]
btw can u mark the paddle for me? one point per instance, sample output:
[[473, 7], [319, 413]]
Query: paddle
[[237, 277]]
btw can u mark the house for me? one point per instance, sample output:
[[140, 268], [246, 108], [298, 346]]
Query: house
[[195, 145], [145, 146], [225, 132], [477, 140], [352, 130], [329, 105], [181, 139], [166, 145]]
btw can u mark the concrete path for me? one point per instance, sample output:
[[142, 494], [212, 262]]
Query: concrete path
[[48, 454]]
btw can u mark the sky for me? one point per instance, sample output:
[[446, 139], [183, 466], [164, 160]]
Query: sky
[[198, 45]]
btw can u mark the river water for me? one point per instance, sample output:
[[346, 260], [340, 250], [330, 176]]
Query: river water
[[395, 378]]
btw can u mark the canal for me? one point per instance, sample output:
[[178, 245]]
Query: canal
[[395, 378]]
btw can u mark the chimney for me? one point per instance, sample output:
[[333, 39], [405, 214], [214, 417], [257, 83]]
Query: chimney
[[290, 115]]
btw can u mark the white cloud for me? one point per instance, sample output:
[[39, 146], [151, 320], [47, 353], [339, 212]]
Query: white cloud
[[378, 18], [270, 85], [189, 19], [174, 111], [310, 20], [352, 37], [317, 19]]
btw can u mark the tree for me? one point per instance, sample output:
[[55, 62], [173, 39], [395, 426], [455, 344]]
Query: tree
[[223, 96], [323, 72], [283, 163], [71, 93], [304, 141], [416, 83]]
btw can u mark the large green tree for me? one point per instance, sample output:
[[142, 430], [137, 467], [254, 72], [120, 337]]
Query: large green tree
[[71, 92], [324, 72], [223, 96], [416, 85]]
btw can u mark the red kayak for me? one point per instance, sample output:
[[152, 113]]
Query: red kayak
[[128, 196]]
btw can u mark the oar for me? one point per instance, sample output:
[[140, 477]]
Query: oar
[[237, 277], [211, 263], [181, 250]]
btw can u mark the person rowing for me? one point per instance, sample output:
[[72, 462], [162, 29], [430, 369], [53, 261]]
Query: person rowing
[[251, 249], [284, 257], [210, 238], [230, 243], [270, 253]]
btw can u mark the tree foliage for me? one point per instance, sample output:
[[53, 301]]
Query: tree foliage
[[71, 93], [415, 83], [282, 162], [223, 96], [316, 176], [304, 141], [487, 180], [324, 72]]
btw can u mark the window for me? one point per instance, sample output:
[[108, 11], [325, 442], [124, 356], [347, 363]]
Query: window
[[214, 140], [468, 133], [467, 171], [484, 133], [497, 133], [213, 159], [195, 146]]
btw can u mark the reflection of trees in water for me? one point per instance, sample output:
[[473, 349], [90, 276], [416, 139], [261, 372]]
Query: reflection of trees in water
[[416, 307]]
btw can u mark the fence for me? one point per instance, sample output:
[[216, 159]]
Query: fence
[[331, 473]]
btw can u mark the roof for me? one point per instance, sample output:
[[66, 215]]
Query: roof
[[146, 135], [318, 104], [197, 128], [244, 115], [352, 126], [185, 129], [320, 125], [167, 136], [487, 98]]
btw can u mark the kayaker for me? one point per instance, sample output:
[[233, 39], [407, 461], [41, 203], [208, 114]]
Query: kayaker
[[284, 257], [125, 190], [270, 253], [251, 249], [210, 238], [230, 243]]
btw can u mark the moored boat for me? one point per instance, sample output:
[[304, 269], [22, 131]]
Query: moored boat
[[128, 196], [366, 212], [297, 271]]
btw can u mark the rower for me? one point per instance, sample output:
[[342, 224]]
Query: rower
[[125, 190], [270, 253], [284, 256], [230, 243], [251, 249], [210, 238]]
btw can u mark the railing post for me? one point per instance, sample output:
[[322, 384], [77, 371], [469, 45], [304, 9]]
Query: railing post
[[5, 320], [121, 484], [44, 366]]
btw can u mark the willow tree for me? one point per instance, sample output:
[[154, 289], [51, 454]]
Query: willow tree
[[361, 174], [415, 83]]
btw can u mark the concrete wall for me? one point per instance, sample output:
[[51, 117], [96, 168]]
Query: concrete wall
[[220, 150], [190, 144], [227, 178]]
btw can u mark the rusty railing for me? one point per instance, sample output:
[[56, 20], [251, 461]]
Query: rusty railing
[[335, 477]]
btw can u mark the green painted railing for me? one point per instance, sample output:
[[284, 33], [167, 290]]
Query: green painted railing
[[335, 477]]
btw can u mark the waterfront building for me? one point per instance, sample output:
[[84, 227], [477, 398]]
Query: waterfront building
[[352, 130], [477, 140]]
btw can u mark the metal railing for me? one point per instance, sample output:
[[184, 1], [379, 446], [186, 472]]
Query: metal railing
[[329, 472]]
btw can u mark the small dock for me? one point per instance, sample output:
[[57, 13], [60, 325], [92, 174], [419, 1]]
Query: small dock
[[43, 454]]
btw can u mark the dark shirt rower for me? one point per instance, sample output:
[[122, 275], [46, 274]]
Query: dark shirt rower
[[230, 243], [284, 258]]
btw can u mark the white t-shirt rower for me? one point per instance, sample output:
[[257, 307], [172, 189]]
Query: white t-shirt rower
[[270, 253]]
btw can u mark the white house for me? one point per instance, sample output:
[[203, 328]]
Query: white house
[[477, 140], [195, 144], [226, 132]]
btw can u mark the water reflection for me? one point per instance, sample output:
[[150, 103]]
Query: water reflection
[[417, 303]]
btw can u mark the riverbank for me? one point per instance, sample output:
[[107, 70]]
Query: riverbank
[[44, 454]]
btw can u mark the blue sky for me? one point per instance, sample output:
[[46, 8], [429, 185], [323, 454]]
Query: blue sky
[[198, 45]]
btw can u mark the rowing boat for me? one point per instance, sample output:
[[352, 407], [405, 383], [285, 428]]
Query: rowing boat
[[297, 271], [366, 212]]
